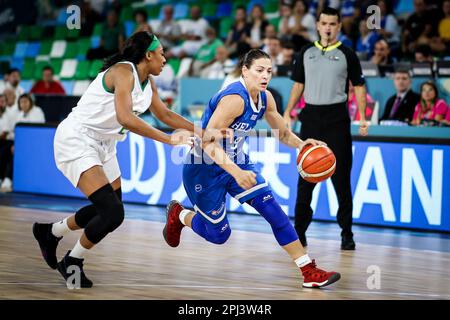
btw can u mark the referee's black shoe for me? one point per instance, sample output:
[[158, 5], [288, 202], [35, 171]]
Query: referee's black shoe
[[347, 243], [71, 269], [47, 242]]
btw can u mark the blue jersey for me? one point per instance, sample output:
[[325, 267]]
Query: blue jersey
[[206, 183], [243, 124]]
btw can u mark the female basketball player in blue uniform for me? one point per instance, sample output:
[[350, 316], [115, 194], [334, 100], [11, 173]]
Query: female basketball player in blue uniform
[[85, 146], [220, 169]]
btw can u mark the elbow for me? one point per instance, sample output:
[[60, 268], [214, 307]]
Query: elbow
[[124, 121]]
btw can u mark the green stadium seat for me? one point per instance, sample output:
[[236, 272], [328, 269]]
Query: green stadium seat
[[126, 14], [68, 69], [95, 67], [46, 47], [24, 33], [72, 34], [153, 11], [209, 9], [56, 65], [60, 33], [71, 50], [27, 72], [7, 48], [36, 32], [39, 65], [225, 26], [98, 29], [83, 45], [271, 6], [82, 71]]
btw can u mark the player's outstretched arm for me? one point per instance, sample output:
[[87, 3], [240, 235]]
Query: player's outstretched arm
[[160, 110], [122, 80]]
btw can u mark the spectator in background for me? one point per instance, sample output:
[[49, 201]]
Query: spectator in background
[[287, 54], [444, 24], [382, 57], [346, 40], [423, 54], [286, 23], [206, 54], [390, 29], [401, 105], [441, 43], [257, 26], [47, 85], [382, 54], [446, 120], [237, 39], [30, 114], [269, 34], [273, 49], [3, 119], [193, 37], [12, 110], [14, 83], [112, 38], [169, 31], [366, 42], [305, 24], [141, 18], [89, 18], [417, 28], [221, 66], [430, 107]]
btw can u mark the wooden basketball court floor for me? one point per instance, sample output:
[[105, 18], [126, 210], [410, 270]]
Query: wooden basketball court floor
[[134, 262]]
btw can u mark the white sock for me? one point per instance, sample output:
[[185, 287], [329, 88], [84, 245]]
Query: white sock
[[78, 251], [59, 229], [183, 215], [302, 261]]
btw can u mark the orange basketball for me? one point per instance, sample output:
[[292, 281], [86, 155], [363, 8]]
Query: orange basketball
[[316, 163]]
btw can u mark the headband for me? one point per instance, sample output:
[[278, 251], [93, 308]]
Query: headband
[[154, 44]]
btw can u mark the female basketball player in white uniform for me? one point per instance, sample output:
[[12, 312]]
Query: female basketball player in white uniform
[[85, 146]]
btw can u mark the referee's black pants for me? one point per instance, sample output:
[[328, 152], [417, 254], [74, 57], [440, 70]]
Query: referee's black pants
[[331, 124]]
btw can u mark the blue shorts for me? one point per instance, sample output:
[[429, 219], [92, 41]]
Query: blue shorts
[[207, 186]]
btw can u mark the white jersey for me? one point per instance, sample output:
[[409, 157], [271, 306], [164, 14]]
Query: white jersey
[[96, 109]]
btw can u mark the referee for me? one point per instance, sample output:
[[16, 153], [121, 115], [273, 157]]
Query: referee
[[321, 72]]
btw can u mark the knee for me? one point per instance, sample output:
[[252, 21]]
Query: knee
[[220, 238], [116, 216]]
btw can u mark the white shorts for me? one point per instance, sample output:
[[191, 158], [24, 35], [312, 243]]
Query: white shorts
[[78, 149]]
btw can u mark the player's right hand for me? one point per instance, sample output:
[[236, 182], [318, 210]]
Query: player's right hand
[[182, 137], [246, 179]]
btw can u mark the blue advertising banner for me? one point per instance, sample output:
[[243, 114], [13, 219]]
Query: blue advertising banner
[[393, 184]]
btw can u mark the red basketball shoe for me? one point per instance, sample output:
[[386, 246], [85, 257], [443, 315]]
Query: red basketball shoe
[[314, 277], [173, 227]]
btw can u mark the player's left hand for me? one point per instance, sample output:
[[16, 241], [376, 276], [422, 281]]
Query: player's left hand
[[363, 128], [314, 142]]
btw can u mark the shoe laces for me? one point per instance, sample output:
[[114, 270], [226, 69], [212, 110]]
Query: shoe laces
[[315, 272]]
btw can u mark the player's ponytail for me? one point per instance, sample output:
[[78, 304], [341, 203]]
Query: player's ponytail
[[133, 50]]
